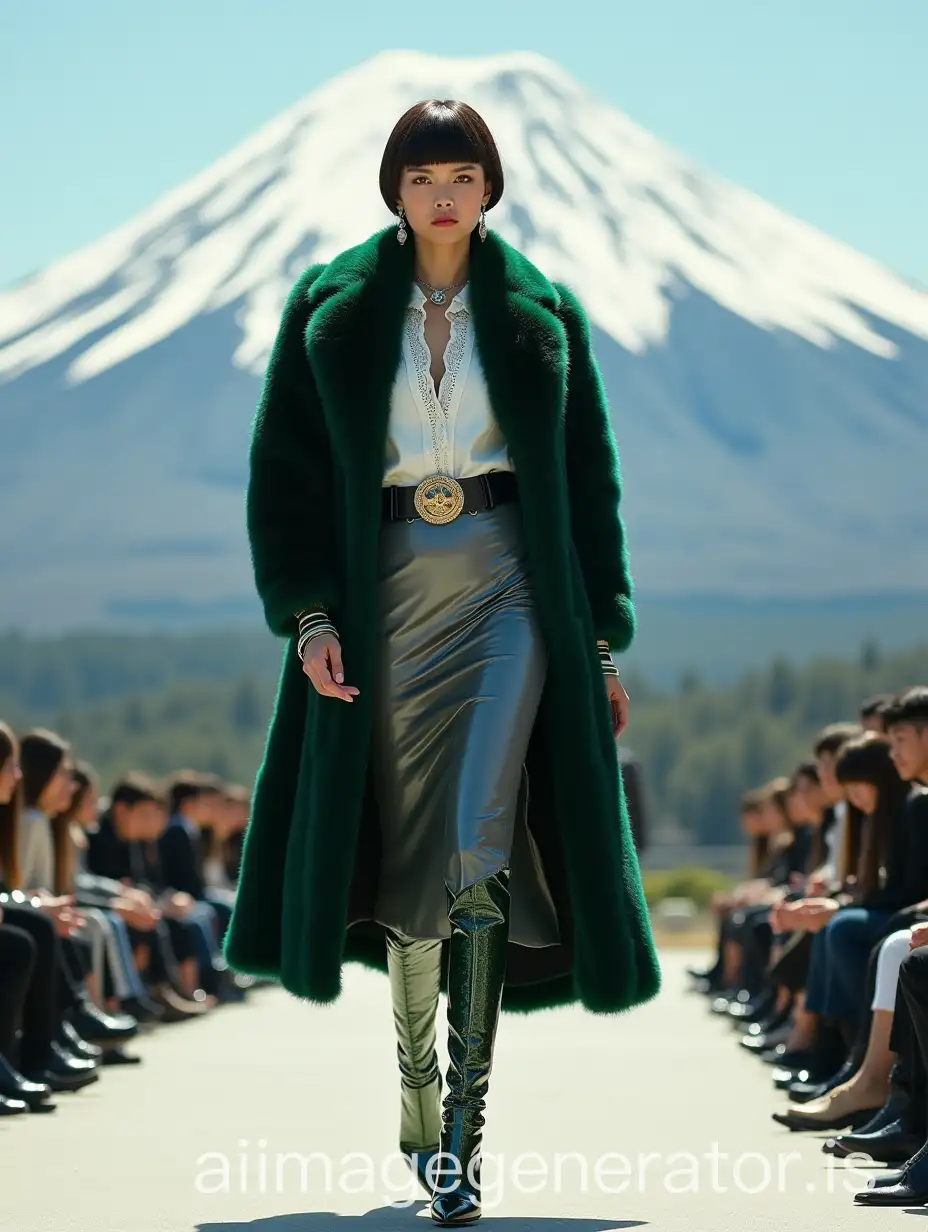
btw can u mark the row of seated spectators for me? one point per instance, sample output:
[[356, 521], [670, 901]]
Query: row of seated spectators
[[823, 954], [112, 912]]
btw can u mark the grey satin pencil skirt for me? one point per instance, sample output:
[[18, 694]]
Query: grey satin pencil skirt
[[461, 669]]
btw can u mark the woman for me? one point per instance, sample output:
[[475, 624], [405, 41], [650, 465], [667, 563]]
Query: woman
[[102, 904], [48, 786], [433, 515]]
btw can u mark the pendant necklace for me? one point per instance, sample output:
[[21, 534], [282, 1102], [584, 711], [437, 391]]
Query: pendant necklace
[[437, 294]]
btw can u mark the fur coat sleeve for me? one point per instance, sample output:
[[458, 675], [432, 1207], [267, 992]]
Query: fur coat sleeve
[[289, 498], [595, 485]]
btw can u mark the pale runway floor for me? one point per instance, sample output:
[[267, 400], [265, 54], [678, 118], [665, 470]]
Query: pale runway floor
[[177, 1144]]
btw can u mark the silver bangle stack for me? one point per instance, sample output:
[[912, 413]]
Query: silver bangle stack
[[605, 658], [312, 624]]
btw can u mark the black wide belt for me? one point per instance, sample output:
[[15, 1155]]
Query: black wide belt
[[440, 499]]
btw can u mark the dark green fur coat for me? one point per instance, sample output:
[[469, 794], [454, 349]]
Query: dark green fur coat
[[311, 856]]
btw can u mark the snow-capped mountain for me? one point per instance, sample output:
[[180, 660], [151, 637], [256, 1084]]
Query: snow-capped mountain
[[769, 385]]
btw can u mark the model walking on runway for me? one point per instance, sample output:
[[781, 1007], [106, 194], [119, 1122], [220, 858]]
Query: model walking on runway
[[433, 510]]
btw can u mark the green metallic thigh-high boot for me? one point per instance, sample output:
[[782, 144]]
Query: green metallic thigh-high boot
[[479, 916], [414, 968]]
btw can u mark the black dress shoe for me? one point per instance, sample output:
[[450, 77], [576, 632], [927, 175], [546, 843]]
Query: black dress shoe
[[12, 1107], [725, 998], [707, 987], [760, 1044], [69, 1039], [910, 1190], [774, 1056], [65, 1082], [882, 1180], [118, 1056], [771, 1022], [784, 1078], [92, 1024], [897, 1109], [796, 1059], [893, 1144], [757, 1009], [14, 1086], [64, 1072], [739, 1003]]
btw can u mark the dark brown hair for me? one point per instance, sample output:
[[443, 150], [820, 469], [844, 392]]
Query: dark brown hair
[[819, 849], [41, 752], [911, 707], [9, 817], [830, 738], [867, 760], [85, 781], [875, 706], [188, 785], [776, 792], [136, 788], [439, 131]]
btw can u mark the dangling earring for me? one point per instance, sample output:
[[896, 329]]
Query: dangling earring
[[401, 233], [482, 228]]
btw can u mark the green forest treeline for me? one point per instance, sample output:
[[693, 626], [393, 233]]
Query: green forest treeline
[[158, 703]]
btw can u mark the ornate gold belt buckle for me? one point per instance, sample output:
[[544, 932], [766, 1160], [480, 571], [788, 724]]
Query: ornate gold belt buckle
[[439, 499]]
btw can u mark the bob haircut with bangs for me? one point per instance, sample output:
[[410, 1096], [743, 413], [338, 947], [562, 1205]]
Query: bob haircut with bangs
[[439, 131]]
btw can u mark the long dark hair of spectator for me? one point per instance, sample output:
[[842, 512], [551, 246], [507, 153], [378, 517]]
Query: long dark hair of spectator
[[9, 817], [866, 759], [85, 780], [775, 793], [818, 849], [41, 752]]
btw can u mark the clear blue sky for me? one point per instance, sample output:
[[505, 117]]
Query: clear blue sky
[[821, 106]]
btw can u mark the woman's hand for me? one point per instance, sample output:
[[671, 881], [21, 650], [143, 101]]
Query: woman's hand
[[814, 913], [817, 884], [618, 699], [322, 663]]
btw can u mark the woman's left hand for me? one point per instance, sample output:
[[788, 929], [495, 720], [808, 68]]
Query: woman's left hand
[[618, 700]]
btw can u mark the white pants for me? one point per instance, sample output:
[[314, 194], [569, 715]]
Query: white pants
[[892, 952]]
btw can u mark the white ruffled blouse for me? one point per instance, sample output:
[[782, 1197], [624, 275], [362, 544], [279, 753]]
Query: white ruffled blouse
[[454, 433]]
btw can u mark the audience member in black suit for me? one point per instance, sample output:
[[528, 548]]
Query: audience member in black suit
[[196, 801], [123, 849]]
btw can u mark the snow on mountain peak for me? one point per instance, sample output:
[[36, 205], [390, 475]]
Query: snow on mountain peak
[[590, 197]]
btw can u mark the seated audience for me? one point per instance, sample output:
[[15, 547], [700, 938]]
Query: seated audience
[[842, 1012]]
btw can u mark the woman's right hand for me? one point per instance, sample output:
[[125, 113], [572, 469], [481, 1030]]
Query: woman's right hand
[[322, 663]]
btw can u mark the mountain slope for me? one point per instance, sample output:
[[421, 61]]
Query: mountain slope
[[769, 385]]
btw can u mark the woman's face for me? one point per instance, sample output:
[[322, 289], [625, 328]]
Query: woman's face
[[771, 818], [10, 775], [86, 815], [751, 823], [450, 191], [809, 798], [863, 796], [56, 796], [796, 809]]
